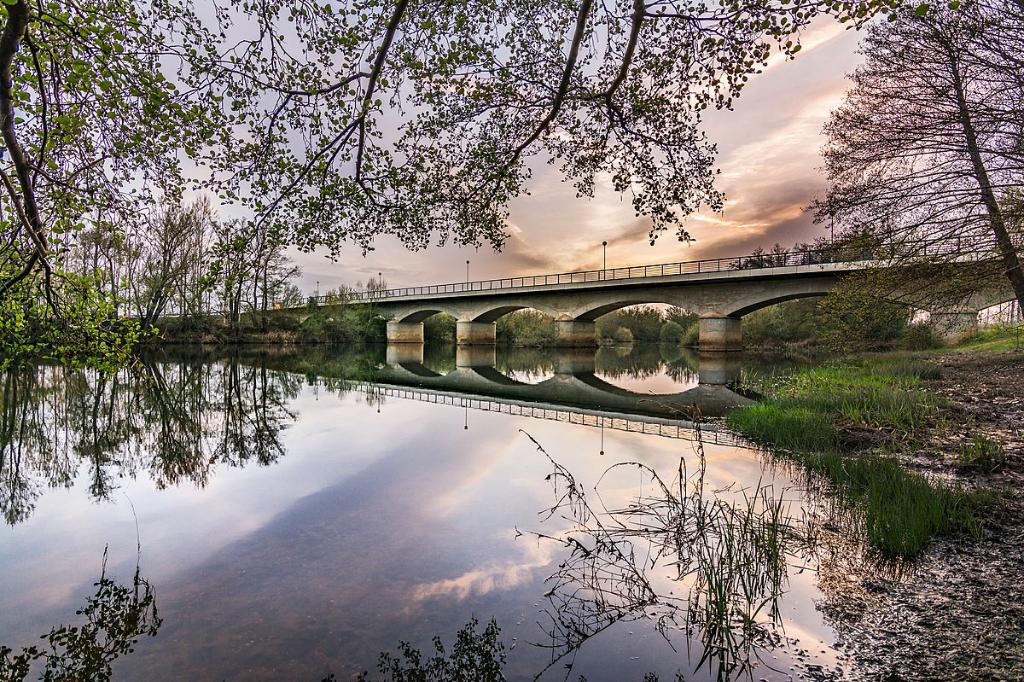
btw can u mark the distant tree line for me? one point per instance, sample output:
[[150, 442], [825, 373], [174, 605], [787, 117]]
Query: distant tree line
[[183, 261]]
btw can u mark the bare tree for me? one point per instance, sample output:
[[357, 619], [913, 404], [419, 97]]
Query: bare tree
[[927, 145], [164, 255]]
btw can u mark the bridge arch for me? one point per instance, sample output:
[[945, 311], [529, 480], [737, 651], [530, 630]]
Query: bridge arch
[[417, 316], [495, 313], [591, 314], [742, 308]]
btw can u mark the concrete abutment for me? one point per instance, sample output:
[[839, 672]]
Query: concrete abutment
[[720, 334], [469, 333], [405, 332], [577, 334], [954, 326]]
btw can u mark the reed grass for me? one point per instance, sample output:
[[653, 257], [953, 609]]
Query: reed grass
[[819, 418]]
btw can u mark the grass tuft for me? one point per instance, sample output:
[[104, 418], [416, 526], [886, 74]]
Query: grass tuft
[[982, 454], [808, 417]]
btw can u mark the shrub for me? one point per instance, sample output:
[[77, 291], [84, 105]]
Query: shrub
[[622, 335], [527, 328], [787, 322], [284, 322], [344, 324], [671, 332], [856, 321], [681, 317], [643, 322], [691, 337], [440, 327], [919, 336]]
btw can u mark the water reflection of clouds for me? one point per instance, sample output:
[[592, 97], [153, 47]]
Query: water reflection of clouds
[[492, 576], [370, 528]]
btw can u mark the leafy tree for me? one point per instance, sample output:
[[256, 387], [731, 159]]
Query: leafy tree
[[332, 123], [926, 148], [527, 328], [671, 332], [643, 322]]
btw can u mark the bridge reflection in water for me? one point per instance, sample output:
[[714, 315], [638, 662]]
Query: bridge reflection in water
[[573, 392]]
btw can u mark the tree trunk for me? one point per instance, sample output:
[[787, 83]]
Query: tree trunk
[[25, 205], [1007, 251]]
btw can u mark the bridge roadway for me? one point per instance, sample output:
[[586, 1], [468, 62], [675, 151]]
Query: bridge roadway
[[719, 291]]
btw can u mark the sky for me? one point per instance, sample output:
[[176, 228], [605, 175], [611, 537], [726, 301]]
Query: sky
[[769, 159]]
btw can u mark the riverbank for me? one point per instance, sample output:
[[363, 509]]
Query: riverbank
[[946, 426], [957, 614]]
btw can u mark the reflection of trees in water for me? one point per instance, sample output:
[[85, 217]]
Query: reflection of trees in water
[[726, 550], [527, 364], [116, 616], [643, 361], [174, 421], [474, 656]]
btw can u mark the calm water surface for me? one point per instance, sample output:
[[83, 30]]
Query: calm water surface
[[293, 513]]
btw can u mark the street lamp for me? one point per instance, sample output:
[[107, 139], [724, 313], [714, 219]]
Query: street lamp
[[604, 259], [467, 271]]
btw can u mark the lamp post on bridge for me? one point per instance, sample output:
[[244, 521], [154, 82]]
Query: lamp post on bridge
[[604, 259], [467, 273]]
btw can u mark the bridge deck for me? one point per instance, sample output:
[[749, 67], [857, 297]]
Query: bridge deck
[[829, 259], [647, 275]]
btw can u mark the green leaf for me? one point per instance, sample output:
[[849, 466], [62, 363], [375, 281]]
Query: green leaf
[[921, 10]]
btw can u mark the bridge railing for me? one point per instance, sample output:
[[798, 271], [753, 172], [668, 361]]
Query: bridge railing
[[822, 256]]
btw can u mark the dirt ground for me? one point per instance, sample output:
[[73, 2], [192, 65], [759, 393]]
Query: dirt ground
[[986, 391], [959, 613]]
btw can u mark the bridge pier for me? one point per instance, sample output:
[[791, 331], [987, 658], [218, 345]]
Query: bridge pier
[[718, 367], [469, 333], [576, 362], [475, 356], [953, 326], [403, 353], [720, 333], [576, 334], [405, 332]]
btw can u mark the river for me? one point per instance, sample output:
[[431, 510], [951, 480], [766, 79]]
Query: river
[[291, 513]]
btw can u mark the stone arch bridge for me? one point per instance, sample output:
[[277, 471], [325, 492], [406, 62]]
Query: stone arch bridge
[[719, 291]]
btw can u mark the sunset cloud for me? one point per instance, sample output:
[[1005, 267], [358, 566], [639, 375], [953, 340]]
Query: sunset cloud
[[768, 156]]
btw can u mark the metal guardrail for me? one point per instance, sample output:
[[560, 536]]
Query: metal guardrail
[[824, 256]]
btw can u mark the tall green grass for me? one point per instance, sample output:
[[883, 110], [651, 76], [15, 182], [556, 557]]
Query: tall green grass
[[993, 339], [822, 417]]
